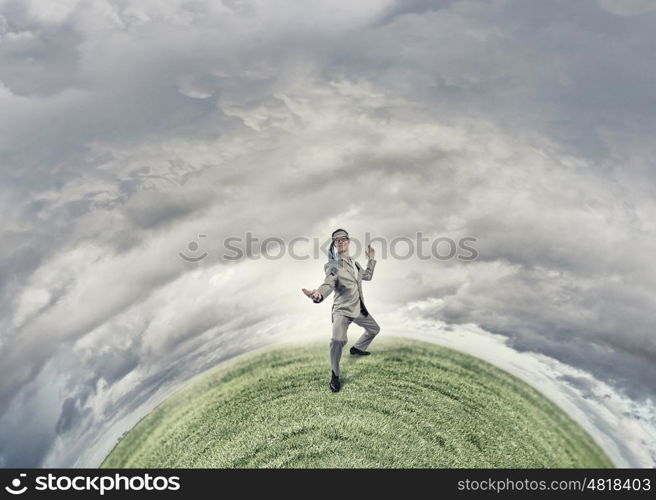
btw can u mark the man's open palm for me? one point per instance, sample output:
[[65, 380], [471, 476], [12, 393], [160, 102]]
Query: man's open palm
[[313, 294]]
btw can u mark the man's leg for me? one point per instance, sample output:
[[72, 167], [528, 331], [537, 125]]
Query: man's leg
[[340, 325], [371, 329]]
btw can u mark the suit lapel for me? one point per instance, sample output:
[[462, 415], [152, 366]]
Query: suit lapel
[[354, 272], [349, 269]]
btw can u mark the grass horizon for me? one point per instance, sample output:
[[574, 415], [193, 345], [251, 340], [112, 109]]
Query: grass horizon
[[410, 404]]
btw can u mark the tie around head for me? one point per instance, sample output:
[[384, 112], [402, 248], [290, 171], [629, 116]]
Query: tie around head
[[340, 233]]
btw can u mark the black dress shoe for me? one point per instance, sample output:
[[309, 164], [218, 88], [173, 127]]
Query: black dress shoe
[[358, 352], [335, 385]]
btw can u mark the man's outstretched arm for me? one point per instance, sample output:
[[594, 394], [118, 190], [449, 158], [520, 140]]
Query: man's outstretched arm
[[325, 288]]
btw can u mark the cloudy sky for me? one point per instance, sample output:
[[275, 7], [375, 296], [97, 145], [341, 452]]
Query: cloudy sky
[[133, 131]]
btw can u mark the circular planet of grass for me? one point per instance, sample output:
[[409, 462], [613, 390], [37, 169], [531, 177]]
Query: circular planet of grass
[[410, 404]]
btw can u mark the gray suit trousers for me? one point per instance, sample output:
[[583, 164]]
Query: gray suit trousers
[[339, 339]]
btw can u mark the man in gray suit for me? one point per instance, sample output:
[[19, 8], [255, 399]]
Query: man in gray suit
[[344, 276]]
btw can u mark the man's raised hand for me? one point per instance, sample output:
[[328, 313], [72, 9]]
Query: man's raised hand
[[371, 253]]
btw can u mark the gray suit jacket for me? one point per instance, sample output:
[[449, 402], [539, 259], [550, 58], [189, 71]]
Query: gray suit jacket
[[347, 287]]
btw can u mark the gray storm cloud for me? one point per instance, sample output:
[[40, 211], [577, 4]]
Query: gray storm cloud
[[130, 128]]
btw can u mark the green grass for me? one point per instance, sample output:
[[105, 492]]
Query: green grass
[[409, 404]]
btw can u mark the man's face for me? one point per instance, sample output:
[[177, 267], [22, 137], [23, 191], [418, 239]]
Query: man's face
[[342, 244]]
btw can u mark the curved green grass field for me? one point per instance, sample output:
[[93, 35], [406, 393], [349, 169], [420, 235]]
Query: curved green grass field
[[409, 404]]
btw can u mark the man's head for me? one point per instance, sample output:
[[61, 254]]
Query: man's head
[[341, 241]]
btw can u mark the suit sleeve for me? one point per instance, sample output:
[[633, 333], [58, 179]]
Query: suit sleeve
[[328, 284], [369, 272]]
